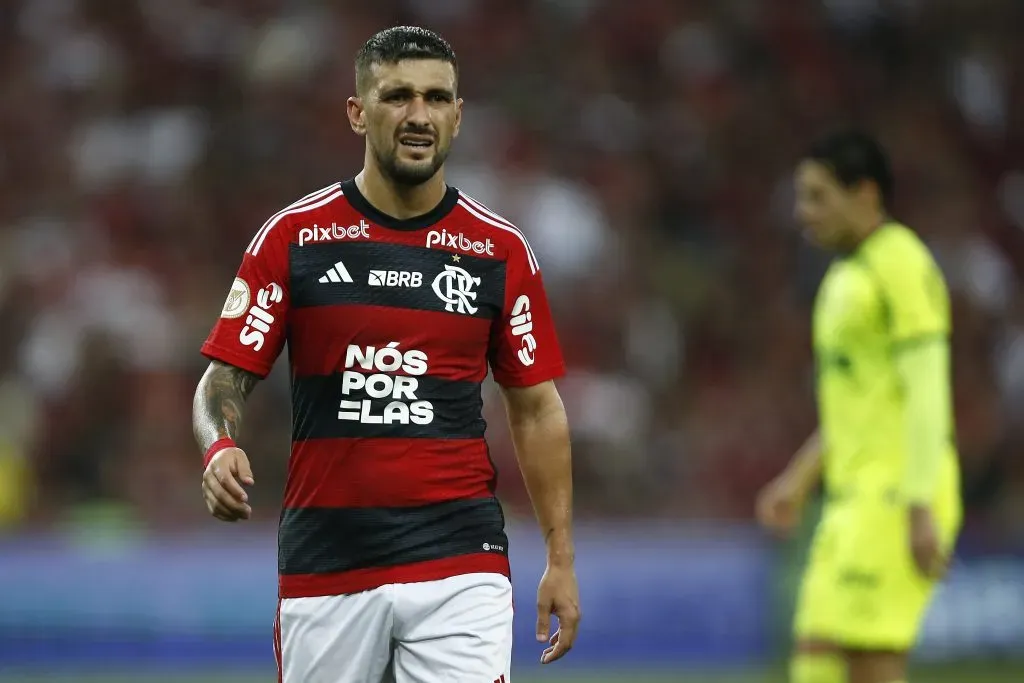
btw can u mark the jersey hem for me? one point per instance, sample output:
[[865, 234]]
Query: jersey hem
[[538, 376], [226, 355], [359, 580]]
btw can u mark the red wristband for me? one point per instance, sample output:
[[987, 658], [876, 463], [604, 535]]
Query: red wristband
[[217, 447]]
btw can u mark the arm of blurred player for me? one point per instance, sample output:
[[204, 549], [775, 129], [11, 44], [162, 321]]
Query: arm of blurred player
[[540, 433], [781, 502], [920, 326], [217, 409], [924, 368]]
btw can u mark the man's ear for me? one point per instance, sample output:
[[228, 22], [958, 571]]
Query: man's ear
[[868, 193], [356, 115], [458, 117]]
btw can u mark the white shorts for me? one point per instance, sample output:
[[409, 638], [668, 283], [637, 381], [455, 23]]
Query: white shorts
[[456, 630]]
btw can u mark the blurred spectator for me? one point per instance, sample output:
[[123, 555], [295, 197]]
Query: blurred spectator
[[644, 147]]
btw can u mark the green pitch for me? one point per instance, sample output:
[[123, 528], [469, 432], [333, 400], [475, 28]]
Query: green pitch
[[998, 673]]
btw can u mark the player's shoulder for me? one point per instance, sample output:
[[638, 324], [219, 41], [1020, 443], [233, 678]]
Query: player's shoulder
[[897, 247], [284, 225], [490, 233]]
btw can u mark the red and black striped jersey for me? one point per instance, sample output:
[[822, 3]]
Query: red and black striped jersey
[[391, 327]]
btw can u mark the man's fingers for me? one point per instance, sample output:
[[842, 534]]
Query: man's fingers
[[216, 508], [227, 480], [543, 622], [558, 650], [921, 560], [240, 466], [223, 514], [930, 562], [783, 523], [568, 623], [553, 654], [777, 515], [766, 510], [565, 637], [222, 496]]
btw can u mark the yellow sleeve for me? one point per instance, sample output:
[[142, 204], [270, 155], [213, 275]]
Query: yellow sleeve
[[925, 374], [917, 309], [913, 290]]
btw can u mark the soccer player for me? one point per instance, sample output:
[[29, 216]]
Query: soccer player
[[395, 293], [884, 448]]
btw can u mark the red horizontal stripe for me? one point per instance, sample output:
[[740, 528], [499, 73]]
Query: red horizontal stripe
[[386, 472], [358, 580], [456, 346]]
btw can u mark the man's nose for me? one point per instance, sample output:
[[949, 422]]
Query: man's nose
[[418, 112]]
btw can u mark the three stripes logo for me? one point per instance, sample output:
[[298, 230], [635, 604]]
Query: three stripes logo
[[500, 679], [336, 273]]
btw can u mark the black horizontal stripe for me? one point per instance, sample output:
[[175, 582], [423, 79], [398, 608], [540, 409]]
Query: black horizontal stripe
[[454, 408], [327, 540], [436, 270]]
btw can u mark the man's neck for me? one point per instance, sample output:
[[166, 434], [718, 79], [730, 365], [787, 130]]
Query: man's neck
[[870, 227], [400, 201]]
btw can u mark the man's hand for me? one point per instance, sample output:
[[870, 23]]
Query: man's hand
[[924, 542], [559, 595], [780, 504], [222, 485]]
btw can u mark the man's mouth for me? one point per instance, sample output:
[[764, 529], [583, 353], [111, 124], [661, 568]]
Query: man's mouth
[[416, 141]]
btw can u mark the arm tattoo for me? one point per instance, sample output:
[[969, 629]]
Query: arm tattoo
[[219, 402]]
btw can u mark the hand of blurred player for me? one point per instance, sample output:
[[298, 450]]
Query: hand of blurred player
[[222, 485], [780, 503], [557, 595], [924, 542]]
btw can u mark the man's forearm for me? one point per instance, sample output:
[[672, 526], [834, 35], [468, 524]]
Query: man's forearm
[[542, 447], [219, 402], [805, 467]]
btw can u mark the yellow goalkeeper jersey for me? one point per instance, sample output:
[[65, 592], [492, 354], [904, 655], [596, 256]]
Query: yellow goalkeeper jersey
[[881, 298]]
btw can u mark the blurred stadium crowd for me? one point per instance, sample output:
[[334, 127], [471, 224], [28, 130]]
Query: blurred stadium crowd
[[645, 147]]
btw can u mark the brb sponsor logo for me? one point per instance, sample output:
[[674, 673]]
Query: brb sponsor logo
[[390, 399], [454, 286], [259, 320], [395, 278], [333, 232], [459, 242], [521, 323]]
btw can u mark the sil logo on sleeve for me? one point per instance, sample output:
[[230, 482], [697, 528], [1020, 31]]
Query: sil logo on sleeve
[[521, 323], [259, 320]]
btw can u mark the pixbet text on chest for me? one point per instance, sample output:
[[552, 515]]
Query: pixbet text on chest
[[403, 406]]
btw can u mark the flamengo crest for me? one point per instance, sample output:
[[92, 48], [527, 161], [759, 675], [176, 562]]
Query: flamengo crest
[[454, 287]]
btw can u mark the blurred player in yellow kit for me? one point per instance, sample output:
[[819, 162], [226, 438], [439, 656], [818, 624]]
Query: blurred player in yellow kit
[[884, 449]]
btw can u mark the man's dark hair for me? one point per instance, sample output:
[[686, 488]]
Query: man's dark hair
[[854, 156], [396, 44]]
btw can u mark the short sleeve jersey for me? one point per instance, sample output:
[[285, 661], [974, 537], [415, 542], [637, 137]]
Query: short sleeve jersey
[[391, 327], [886, 295]]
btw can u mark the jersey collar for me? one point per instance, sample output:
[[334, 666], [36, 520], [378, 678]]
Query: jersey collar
[[362, 205]]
